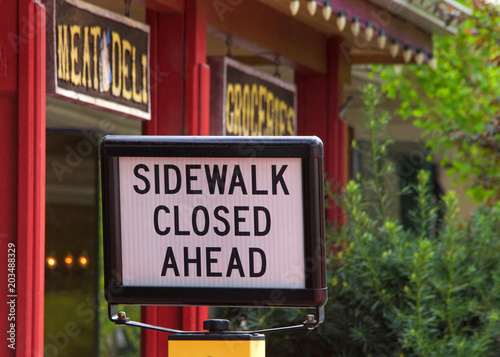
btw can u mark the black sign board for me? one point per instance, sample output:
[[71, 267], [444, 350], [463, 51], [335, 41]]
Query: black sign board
[[221, 221], [247, 102], [98, 58]]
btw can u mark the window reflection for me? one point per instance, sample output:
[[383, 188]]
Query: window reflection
[[71, 261]]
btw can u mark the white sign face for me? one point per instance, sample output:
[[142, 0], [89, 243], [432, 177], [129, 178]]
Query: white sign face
[[212, 222]]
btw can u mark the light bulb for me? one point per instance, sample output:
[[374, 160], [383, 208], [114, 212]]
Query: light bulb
[[381, 39], [394, 48], [432, 61], [51, 262], [341, 21], [294, 7], [69, 259], [398, 69], [407, 54], [355, 26], [83, 259], [369, 31], [419, 57], [327, 10], [311, 7]]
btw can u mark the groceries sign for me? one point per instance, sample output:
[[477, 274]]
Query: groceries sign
[[246, 102], [98, 58], [213, 221]]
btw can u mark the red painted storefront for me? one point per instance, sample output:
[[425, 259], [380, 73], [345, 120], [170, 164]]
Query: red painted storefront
[[180, 98]]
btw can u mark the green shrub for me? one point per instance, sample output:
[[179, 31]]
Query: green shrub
[[430, 290]]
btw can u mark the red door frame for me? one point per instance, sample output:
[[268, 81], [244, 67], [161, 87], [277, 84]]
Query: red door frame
[[22, 188], [319, 98], [31, 189], [9, 161]]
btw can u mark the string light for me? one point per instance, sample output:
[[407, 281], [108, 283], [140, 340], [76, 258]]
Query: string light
[[69, 260], [394, 48], [355, 27], [51, 262], [407, 54], [294, 7], [419, 57], [83, 260], [381, 39], [432, 61], [311, 7], [327, 10], [341, 21], [369, 31]]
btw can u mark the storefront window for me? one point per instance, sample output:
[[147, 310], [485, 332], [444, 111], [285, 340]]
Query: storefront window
[[71, 246], [75, 315]]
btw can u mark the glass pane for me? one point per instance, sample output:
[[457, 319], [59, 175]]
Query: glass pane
[[71, 286]]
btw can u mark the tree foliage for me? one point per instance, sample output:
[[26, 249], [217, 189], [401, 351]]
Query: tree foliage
[[435, 285], [458, 104]]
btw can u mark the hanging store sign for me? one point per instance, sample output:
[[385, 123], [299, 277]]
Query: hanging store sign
[[213, 221], [250, 103], [98, 58]]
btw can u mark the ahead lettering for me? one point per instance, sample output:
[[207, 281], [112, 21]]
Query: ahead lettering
[[193, 261]]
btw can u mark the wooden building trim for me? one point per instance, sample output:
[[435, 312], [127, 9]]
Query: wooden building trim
[[267, 28], [164, 6], [270, 34]]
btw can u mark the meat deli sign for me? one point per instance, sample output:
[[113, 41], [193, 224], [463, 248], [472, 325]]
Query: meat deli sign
[[214, 221], [98, 58]]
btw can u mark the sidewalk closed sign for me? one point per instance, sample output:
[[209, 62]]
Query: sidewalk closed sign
[[213, 221]]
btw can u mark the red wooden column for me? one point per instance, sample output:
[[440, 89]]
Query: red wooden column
[[318, 104], [197, 71], [197, 101], [22, 187], [180, 94], [336, 162], [8, 162]]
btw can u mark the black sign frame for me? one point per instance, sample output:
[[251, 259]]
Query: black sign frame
[[224, 71], [308, 149]]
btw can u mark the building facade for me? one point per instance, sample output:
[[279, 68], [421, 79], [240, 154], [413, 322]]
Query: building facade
[[49, 207]]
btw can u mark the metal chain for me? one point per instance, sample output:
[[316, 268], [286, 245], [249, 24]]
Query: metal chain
[[229, 43], [277, 68], [127, 7]]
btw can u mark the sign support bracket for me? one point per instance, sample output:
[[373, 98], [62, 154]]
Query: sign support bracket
[[120, 318]]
